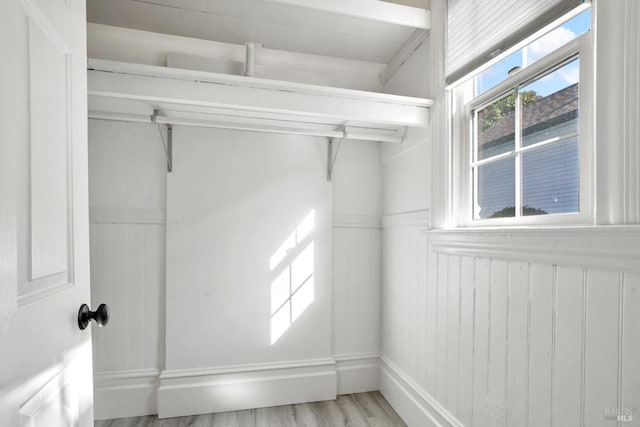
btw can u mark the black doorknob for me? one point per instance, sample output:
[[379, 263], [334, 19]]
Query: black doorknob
[[101, 315]]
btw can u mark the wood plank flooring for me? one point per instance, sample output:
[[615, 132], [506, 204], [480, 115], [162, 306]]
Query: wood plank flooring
[[350, 410]]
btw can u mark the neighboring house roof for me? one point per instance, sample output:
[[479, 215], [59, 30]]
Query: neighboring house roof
[[558, 107]]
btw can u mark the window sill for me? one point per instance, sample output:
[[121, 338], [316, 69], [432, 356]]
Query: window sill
[[603, 246]]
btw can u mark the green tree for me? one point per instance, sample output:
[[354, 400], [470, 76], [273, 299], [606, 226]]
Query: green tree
[[500, 109]]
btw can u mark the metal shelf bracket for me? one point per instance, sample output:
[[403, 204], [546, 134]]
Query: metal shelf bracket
[[168, 146], [331, 157]]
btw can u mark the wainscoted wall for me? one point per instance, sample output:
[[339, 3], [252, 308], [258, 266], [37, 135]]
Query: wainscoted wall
[[556, 312], [127, 269], [356, 265], [128, 223], [356, 286], [127, 179], [249, 289], [519, 328], [356, 301]]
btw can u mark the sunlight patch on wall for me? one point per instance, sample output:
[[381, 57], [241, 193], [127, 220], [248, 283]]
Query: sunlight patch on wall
[[292, 291]]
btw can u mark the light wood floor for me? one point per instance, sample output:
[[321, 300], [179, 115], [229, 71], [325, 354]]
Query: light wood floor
[[352, 410]]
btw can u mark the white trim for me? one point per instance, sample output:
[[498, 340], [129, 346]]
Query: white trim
[[463, 216], [132, 393], [199, 98], [196, 98], [421, 218], [355, 356], [357, 221], [120, 394], [62, 387], [254, 367], [200, 391], [116, 67], [403, 54], [416, 407], [127, 216], [604, 247], [358, 373], [391, 13], [105, 376], [43, 287]]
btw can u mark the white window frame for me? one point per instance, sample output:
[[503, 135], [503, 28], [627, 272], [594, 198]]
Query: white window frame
[[463, 139]]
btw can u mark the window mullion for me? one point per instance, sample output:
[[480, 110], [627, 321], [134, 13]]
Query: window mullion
[[518, 147], [474, 169]]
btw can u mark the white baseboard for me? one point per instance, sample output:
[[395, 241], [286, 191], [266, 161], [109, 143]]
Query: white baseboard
[[174, 393], [202, 391], [414, 405], [123, 394], [358, 373]]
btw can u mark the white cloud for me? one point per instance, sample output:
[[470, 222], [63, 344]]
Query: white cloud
[[548, 43], [571, 74]]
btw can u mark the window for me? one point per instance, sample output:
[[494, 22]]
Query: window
[[527, 144]]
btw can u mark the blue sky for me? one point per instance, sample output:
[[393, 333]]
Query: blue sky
[[559, 79]]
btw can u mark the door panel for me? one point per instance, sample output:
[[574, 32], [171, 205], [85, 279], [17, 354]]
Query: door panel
[[47, 213], [45, 359], [55, 404]]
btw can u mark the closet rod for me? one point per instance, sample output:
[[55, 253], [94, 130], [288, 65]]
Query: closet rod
[[345, 133]]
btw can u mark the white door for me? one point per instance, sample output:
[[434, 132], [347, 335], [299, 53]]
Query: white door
[[45, 359]]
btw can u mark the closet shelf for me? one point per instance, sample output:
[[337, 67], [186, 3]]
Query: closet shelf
[[131, 92]]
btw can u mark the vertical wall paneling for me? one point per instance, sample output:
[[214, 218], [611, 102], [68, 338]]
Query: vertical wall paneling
[[136, 293], [481, 342], [154, 294], [541, 345], [356, 304], [414, 328], [465, 374], [548, 318], [497, 343], [128, 274], [453, 334], [602, 346], [422, 308], [567, 362], [121, 297], [513, 343], [629, 372], [356, 290], [517, 369], [441, 321], [101, 237], [432, 287], [339, 270]]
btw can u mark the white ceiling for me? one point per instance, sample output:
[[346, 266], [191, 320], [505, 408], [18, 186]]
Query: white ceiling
[[274, 24]]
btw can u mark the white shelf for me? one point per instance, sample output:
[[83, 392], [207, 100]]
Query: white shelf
[[118, 91]]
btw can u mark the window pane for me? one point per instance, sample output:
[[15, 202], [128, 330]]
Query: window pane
[[497, 73], [550, 105], [550, 179], [535, 50], [496, 128], [496, 189], [556, 38]]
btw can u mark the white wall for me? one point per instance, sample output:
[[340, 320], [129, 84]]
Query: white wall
[[127, 187], [144, 47], [357, 245], [516, 327], [233, 199]]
